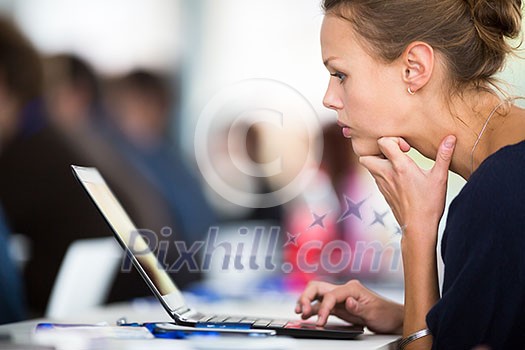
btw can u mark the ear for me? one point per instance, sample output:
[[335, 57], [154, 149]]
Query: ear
[[418, 64]]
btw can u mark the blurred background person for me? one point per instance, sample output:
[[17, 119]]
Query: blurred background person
[[43, 201], [20, 83], [342, 204], [139, 106], [76, 117], [314, 214], [244, 144], [72, 92], [236, 156]]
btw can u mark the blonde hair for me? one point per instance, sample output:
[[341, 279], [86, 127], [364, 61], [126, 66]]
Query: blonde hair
[[470, 34]]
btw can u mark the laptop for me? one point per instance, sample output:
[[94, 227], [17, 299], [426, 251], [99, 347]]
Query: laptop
[[165, 289]]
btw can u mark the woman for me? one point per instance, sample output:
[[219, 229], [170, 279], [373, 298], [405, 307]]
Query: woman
[[419, 73]]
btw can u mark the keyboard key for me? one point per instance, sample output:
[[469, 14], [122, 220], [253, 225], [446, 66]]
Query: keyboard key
[[277, 324], [248, 320], [262, 323], [205, 318], [233, 319], [217, 319]]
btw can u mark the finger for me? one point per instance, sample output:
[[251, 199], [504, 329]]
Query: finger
[[305, 299], [352, 306], [314, 309], [375, 165], [444, 156], [312, 292], [331, 299], [326, 308], [401, 142], [391, 147], [403, 145], [298, 308]]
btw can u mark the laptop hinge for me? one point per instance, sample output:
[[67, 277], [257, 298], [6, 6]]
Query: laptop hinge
[[188, 314]]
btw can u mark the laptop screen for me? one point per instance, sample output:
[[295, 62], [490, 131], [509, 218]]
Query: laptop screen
[[129, 237]]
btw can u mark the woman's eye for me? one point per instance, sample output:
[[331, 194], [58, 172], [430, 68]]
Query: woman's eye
[[339, 76]]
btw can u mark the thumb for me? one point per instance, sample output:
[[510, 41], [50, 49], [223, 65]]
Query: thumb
[[353, 307], [444, 155]]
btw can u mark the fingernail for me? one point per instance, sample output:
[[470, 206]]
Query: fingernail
[[450, 142]]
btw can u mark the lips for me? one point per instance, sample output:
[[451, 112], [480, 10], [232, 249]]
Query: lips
[[345, 128]]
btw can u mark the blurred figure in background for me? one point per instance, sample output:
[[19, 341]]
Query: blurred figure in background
[[41, 198], [76, 116], [339, 161], [139, 106], [342, 204], [235, 149], [20, 83], [314, 214], [72, 92], [221, 161], [234, 145], [370, 230]]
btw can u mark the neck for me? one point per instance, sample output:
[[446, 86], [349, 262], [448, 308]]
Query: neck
[[465, 118]]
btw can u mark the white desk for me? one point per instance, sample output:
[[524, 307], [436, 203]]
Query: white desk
[[275, 306]]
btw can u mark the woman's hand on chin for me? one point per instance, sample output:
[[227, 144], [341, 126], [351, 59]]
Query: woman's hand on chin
[[416, 196]]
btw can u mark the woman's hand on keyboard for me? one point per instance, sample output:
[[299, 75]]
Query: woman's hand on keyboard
[[353, 303]]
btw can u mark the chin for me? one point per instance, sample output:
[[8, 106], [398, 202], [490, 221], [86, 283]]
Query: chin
[[363, 149]]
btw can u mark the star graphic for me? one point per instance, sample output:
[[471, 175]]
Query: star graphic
[[379, 218], [292, 239], [318, 220], [399, 230], [352, 208]]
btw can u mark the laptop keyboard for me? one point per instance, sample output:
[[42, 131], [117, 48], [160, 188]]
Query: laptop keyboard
[[279, 325], [218, 320]]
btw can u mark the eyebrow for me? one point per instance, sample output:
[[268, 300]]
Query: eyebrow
[[331, 58]]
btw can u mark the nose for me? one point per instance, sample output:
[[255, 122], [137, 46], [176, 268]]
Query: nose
[[331, 99]]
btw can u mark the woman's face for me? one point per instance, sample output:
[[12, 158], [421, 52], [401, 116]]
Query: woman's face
[[370, 97]]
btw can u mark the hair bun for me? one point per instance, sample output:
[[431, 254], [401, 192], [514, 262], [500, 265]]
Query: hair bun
[[496, 18]]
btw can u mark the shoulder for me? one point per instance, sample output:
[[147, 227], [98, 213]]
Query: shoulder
[[508, 162], [500, 176], [492, 200], [484, 282]]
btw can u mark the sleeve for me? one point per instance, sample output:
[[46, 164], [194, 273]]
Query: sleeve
[[483, 292]]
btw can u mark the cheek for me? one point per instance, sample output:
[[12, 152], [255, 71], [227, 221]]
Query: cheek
[[367, 114], [375, 110], [363, 111]]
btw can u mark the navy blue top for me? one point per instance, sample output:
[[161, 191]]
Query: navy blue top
[[483, 249]]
